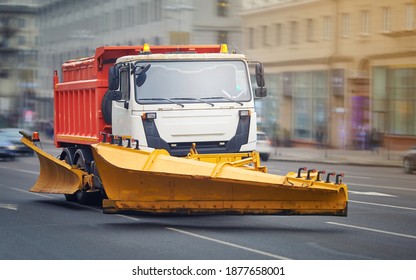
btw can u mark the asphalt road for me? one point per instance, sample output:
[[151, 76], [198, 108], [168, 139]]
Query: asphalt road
[[381, 225]]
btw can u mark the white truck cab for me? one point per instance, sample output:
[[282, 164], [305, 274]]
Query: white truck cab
[[172, 100]]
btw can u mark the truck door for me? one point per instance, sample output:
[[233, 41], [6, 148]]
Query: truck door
[[121, 108]]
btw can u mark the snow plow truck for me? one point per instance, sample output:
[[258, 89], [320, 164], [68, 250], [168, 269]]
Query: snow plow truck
[[171, 130]]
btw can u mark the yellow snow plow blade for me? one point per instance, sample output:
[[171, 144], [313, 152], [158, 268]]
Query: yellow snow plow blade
[[55, 175], [155, 182]]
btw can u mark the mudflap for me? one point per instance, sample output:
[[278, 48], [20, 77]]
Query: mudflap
[[55, 176], [157, 183]]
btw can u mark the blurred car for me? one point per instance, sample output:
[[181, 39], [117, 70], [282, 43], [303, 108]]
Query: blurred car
[[13, 135], [409, 161], [6, 149], [264, 146]]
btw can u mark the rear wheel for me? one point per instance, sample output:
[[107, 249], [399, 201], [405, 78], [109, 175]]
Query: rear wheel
[[90, 195], [407, 166], [82, 162], [97, 181], [69, 197], [264, 157]]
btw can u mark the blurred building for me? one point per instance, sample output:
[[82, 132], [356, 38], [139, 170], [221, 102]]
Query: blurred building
[[347, 67], [74, 29], [18, 62]]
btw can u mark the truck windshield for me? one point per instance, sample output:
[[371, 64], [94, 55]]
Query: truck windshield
[[182, 82]]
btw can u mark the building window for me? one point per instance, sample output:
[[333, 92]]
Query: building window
[[222, 8], [130, 15], [118, 19], [22, 23], [278, 34], [365, 22], [386, 19], [158, 10], [310, 104], [268, 108], [293, 32], [327, 28], [144, 12], [410, 8], [250, 38], [222, 37], [264, 37], [21, 40], [345, 25], [394, 102], [309, 30]]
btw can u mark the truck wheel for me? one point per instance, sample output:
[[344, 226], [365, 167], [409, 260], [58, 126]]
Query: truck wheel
[[69, 197], [264, 157], [82, 197], [97, 181], [406, 166], [82, 163]]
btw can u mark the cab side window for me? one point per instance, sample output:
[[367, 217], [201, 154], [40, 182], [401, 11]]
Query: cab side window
[[124, 84]]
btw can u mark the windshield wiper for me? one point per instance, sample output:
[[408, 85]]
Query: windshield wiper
[[161, 99], [193, 98], [223, 97]]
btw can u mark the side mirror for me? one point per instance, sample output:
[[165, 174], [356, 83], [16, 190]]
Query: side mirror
[[116, 95], [260, 92], [140, 72], [141, 78], [260, 75], [113, 78]]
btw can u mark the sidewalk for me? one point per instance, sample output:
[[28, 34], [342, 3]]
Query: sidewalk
[[336, 156]]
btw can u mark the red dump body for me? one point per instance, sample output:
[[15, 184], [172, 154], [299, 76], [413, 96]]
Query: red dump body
[[77, 99]]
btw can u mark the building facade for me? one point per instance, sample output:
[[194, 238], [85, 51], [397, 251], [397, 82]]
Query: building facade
[[18, 63], [74, 29], [346, 68]]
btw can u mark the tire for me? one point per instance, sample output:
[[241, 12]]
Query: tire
[[81, 162], [82, 197], [97, 181], [106, 106], [264, 157], [407, 166], [69, 197]]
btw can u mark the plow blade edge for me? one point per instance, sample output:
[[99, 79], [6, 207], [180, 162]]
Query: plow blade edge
[[157, 183]]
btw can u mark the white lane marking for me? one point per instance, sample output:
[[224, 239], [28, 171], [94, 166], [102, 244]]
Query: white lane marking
[[382, 187], [50, 197], [374, 230], [28, 192], [80, 205], [383, 205], [8, 206], [20, 170], [128, 217], [371, 193], [358, 177], [230, 244]]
